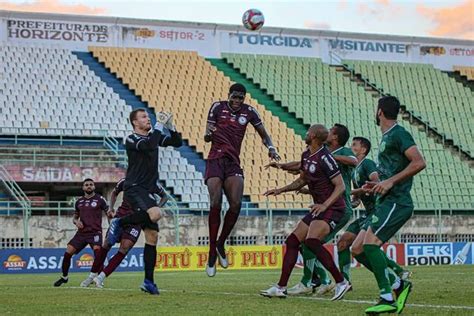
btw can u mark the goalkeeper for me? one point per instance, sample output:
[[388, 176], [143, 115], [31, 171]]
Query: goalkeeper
[[140, 183]]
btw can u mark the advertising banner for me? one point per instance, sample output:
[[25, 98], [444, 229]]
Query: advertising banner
[[67, 34], [272, 44], [172, 38], [47, 260], [22, 173], [423, 254], [239, 257]]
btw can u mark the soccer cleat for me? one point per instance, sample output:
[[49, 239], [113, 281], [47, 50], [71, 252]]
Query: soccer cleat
[[113, 235], [150, 287], [299, 288], [89, 280], [62, 280], [99, 281], [211, 266], [383, 306], [274, 291], [341, 290], [325, 288], [405, 275], [402, 294], [222, 257]]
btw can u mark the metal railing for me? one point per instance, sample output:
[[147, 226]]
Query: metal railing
[[77, 156], [21, 199], [178, 209]]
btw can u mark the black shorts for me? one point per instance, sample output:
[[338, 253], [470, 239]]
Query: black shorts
[[141, 200]]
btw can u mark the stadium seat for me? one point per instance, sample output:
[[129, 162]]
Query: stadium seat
[[188, 85], [316, 92]]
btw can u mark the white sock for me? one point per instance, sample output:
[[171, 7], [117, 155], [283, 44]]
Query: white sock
[[92, 275], [65, 277], [396, 284], [387, 297], [102, 275]]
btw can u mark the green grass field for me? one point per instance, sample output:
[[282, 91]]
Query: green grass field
[[440, 290]]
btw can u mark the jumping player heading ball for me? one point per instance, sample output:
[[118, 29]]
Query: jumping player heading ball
[[226, 125]]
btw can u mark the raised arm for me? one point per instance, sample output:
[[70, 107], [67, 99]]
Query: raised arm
[[346, 160], [174, 140], [267, 141], [417, 163], [294, 186], [292, 167]]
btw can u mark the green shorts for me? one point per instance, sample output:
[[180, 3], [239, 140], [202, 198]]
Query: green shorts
[[356, 226], [388, 218], [343, 222]]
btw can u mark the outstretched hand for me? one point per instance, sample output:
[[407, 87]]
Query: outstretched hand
[[273, 154], [274, 192]]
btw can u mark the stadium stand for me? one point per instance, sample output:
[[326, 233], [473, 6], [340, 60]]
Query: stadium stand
[[79, 105], [316, 92], [465, 71], [188, 85], [429, 94]]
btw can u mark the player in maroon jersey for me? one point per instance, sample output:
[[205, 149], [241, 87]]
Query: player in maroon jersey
[[128, 238], [226, 125], [88, 219], [319, 170]]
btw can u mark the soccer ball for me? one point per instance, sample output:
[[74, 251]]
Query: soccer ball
[[253, 19]]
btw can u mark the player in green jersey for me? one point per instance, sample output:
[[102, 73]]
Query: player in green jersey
[[399, 160]]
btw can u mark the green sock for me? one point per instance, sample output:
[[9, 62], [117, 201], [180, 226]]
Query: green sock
[[344, 258], [377, 260], [393, 265], [308, 258], [321, 272], [362, 258]]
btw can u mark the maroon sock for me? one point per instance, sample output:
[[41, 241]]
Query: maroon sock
[[99, 258], [229, 222], [289, 261], [114, 263], [214, 223], [325, 258], [66, 263]]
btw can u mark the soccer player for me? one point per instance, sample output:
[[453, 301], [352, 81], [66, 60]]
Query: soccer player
[[365, 171], [346, 161], [321, 173], [140, 186], [399, 160], [128, 239], [88, 220], [226, 125]]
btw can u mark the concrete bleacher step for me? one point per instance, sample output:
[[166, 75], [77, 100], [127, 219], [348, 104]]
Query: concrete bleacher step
[[261, 95], [129, 96]]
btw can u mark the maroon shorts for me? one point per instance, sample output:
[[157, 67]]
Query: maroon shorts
[[131, 232], [222, 168], [330, 216], [81, 240]]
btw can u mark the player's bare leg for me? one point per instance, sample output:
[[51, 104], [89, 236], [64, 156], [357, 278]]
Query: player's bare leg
[[233, 190], [292, 242], [125, 246], [214, 186], [100, 253], [344, 254], [70, 251], [318, 230]]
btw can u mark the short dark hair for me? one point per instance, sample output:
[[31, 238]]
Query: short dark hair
[[237, 87], [342, 133], [390, 107], [87, 179], [364, 142], [133, 115]]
